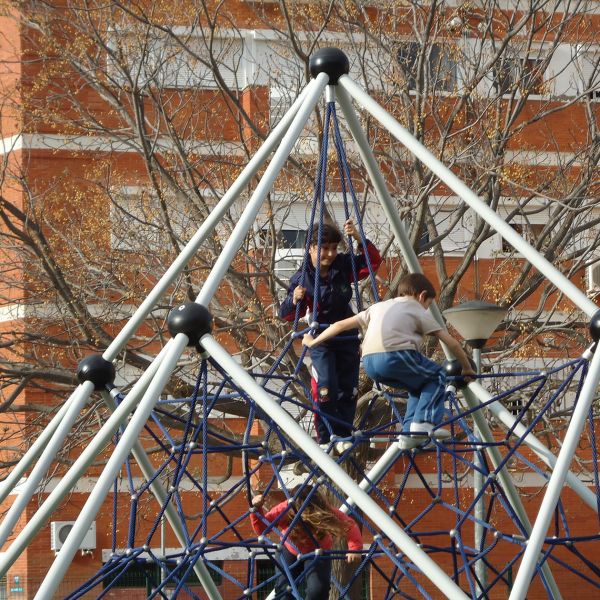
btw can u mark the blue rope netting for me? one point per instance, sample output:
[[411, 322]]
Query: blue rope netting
[[425, 492], [210, 467]]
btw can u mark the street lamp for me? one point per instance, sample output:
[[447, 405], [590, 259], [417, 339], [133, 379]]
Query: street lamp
[[475, 321]]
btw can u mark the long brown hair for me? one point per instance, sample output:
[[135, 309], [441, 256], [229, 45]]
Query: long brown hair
[[316, 515]]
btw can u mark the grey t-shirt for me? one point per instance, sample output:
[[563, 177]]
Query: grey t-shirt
[[396, 324]]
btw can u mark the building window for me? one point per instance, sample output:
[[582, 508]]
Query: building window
[[587, 65], [440, 72], [289, 253], [423, 242], [514, 405], [531, 233], [147, 59], [292, 238], [148, 575], [137, 575], [265, 569], [524, 74]]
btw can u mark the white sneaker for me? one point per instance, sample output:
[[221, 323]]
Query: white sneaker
[[324, 447], [421, 427], [341, 447]]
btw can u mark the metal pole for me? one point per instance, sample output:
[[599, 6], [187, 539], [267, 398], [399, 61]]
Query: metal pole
[[557, 481], [7, 486], [212, 219], [382, 193], [302, 440], [54, 445], [378, 181], [246, 221], [94, 502], [253, 166], [70, 478], [505, 480], [479, 508], [483, 210], [502, 414], [413, 262], [158, 491]]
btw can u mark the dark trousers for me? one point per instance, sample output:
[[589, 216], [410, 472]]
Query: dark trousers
[[317, 576], [336, 364]]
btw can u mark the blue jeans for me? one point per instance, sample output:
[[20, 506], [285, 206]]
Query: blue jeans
[[317, 576], [337, 364], [424, 380]]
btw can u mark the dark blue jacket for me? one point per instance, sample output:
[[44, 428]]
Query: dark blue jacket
[[335, 288]]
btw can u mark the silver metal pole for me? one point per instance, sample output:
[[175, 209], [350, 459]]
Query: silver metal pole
[[212, 219], [483, 210], [502, 414], [479, 508], [70, 478], [97, 496], [376, 473], [505, 480], [248, 217], [302, 440], [148, 471], [79, 400], [557, 481], [7, 486], [378, 181]]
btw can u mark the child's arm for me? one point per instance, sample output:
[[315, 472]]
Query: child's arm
[[371, 251], [331, 331], [257, 524], [295, 294], [354, 537], [457, 350], [271, 516]]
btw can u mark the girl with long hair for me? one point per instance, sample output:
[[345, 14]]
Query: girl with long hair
[[307, 523]]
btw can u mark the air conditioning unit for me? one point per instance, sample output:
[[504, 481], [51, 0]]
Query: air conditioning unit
[[59, 530], [593, 278]]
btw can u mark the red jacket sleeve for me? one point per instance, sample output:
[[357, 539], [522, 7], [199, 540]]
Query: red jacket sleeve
[[355, 540], [374, 259], [259, 524]]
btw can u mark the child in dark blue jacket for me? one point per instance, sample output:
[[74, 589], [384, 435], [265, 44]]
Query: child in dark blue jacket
[[336, 364]]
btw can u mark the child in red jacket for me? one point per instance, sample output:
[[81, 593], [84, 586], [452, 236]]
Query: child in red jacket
[[318, 524]]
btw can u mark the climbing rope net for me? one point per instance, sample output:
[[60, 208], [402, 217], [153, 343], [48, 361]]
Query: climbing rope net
[[427, 491]]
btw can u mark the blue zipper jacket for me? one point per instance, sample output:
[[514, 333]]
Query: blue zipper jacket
[[335, 291]]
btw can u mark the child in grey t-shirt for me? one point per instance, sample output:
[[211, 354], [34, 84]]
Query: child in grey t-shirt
[[394, 330]]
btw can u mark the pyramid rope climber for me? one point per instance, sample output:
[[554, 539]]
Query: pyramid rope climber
[[405, 546]]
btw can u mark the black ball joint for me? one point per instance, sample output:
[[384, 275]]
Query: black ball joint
[[192, 319], [453, 368], [96, 369], [331, 61], [595, 326]]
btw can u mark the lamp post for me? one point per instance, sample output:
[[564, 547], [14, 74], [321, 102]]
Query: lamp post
[[475, 321]]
